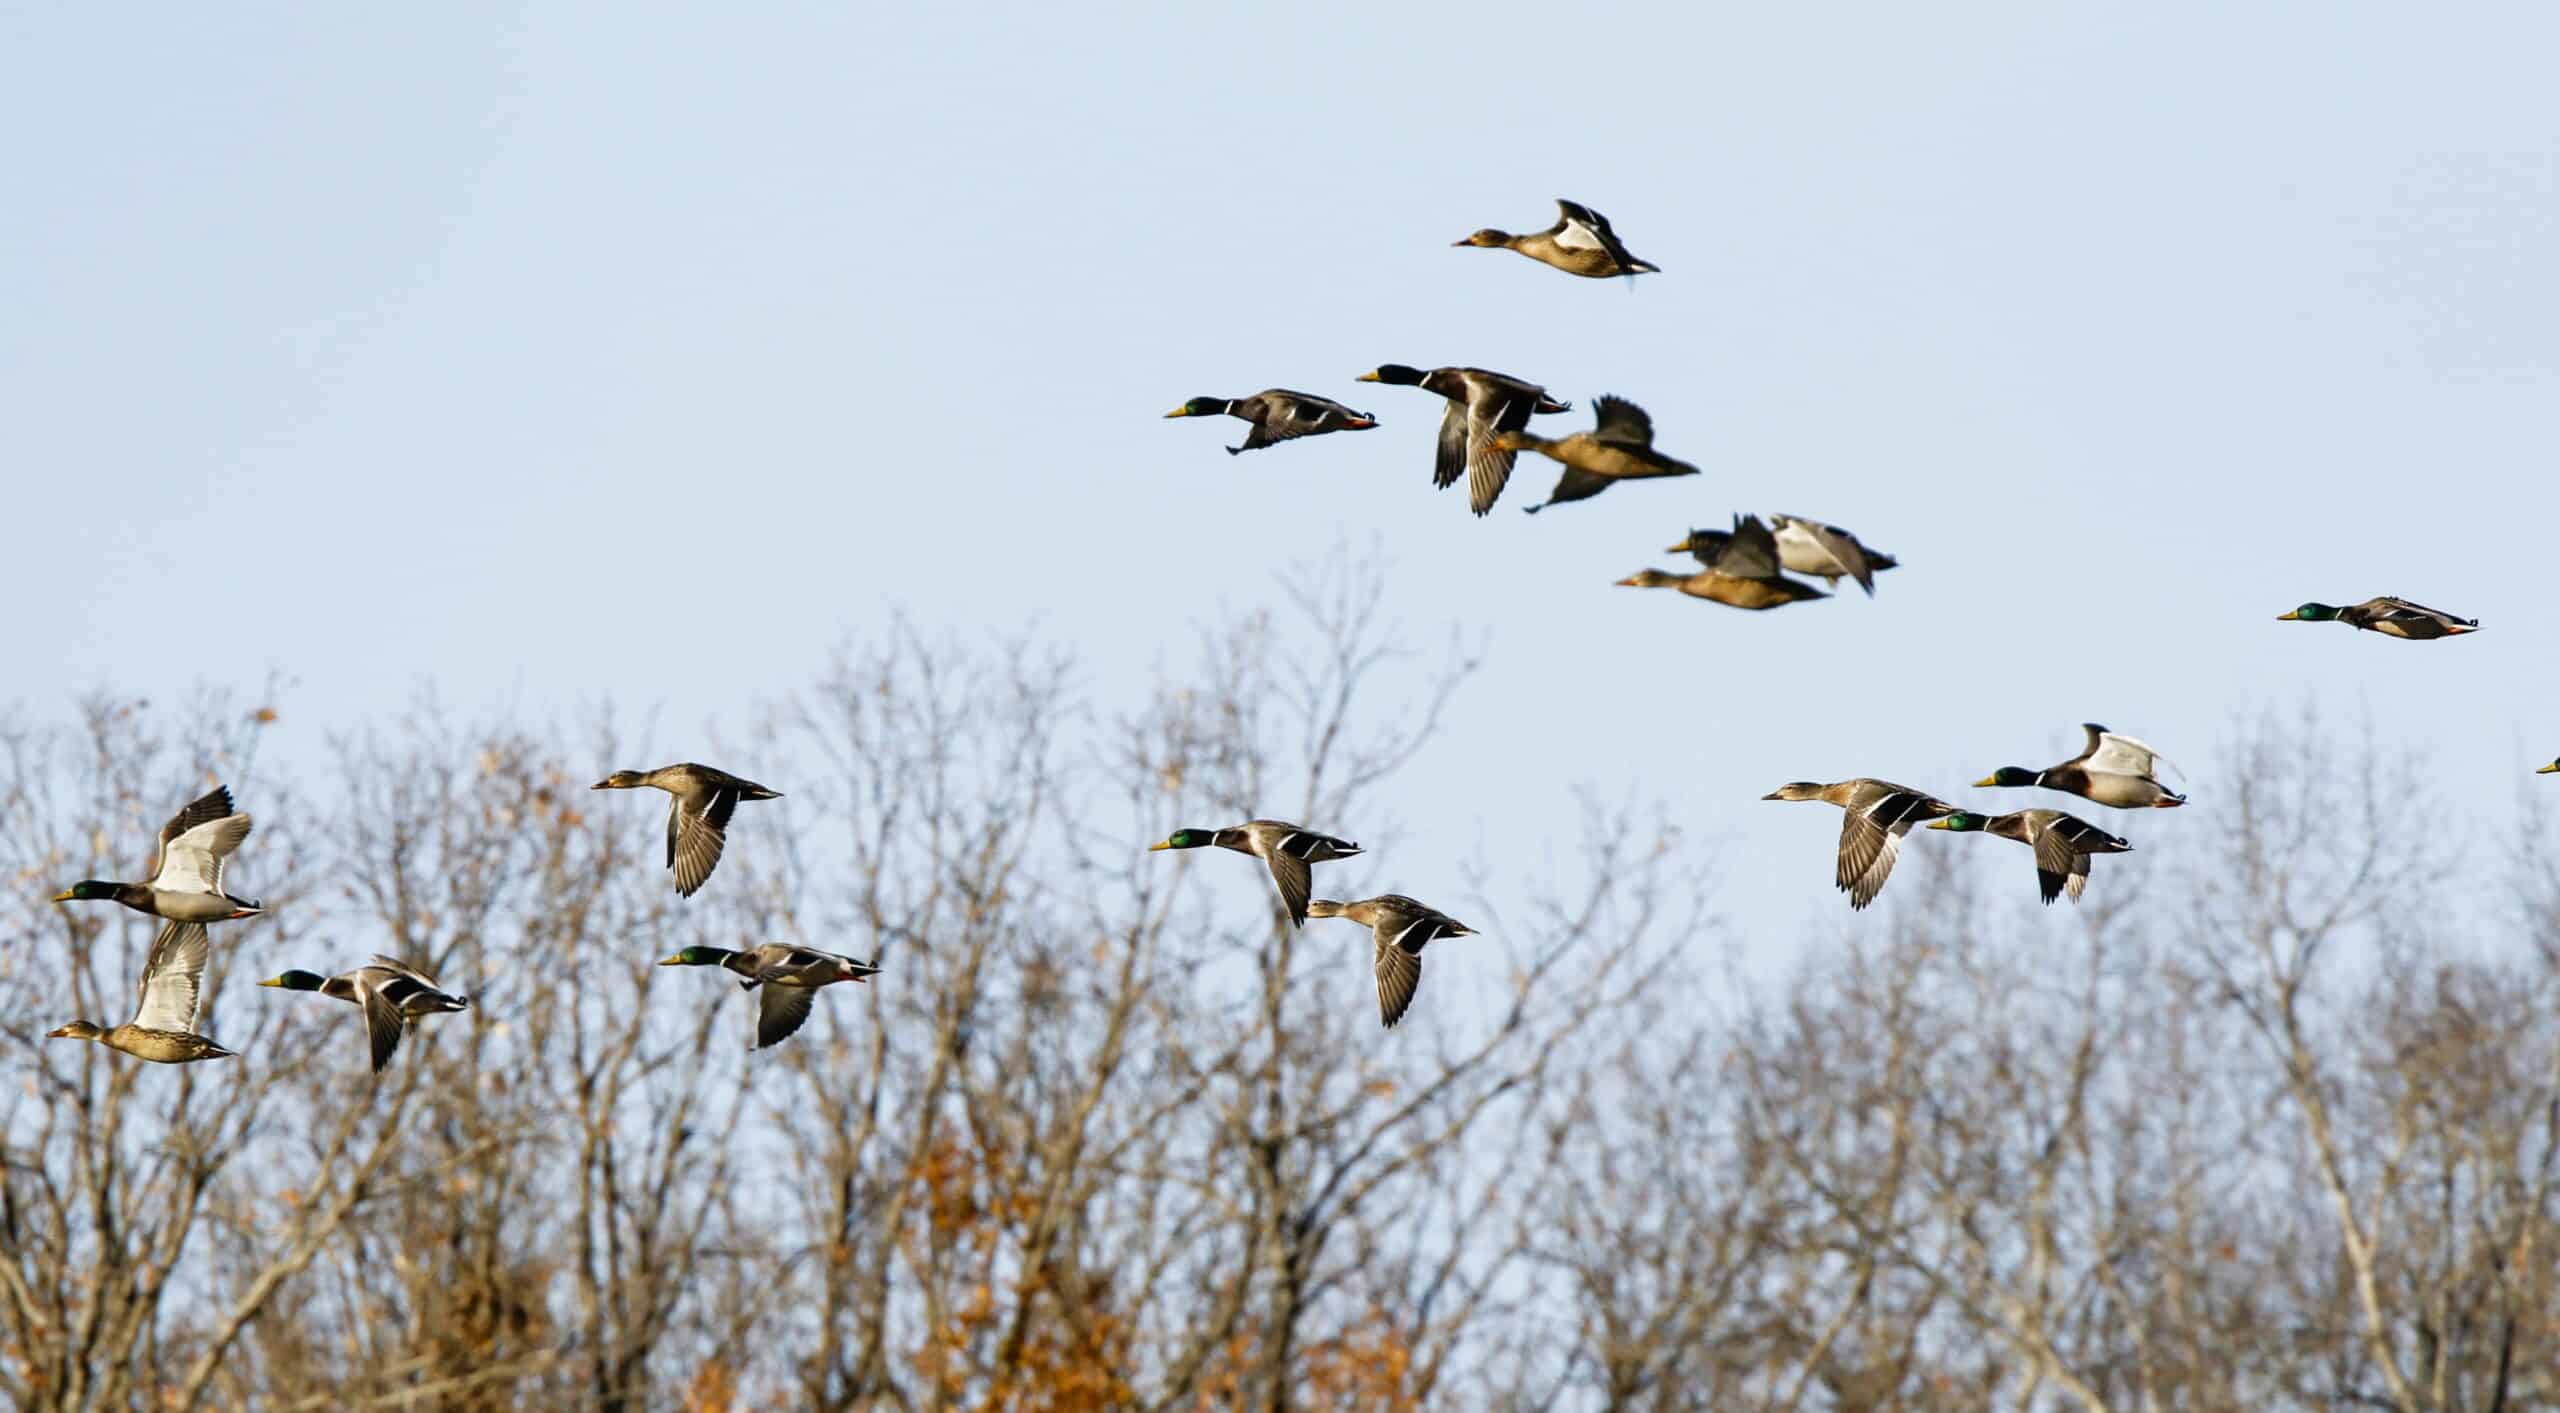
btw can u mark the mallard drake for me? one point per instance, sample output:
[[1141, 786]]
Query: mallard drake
[[391, 992], [1579, 243], [2063, 844], [1619, 447], [2396, 618], [2111, 770], [698, 822], [1743, 573], [1399, 928], [163, 1028], [1287, 848], [1804, 547], [186, 877], [1879, 814], [1481, 404], [789, 975], [1278, 415]]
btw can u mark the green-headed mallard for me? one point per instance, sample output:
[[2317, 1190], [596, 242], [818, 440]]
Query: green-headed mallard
[[2397, 618], [1287, 848], [1879, 814], [163, 1028], [391, 993], [1481, 406], [698, 822], [2063, 844], [1743, 573], [186, 878], [1579, 243], [1279, 415], [1399, 928], [1804, 547], [2111, 770], [1619, 447], [789, 975]]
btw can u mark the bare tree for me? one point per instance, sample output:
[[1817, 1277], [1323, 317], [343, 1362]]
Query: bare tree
[[2272, 1121]]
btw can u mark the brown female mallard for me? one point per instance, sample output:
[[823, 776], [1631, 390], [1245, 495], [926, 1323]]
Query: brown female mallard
[[698, 822], [1579, 243], [1804, 547], [1741, 573], [1619, 447], [163, 1028], [1399, 928], [1879, 814]]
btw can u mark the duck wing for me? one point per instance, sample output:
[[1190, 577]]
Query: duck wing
[[1574, 484], [172, 977], [695, 837], [2120, 755], [781, 1012], [2060, 868], [2392, 609], [191, 860], [1828, 550], [214, 804], [1871, 839], [1451, 459], [1614, 419], [409, 989], [1578, 227], [382, 1019], [1491, 411], [1399, 972], [1296, 882], [1751, 552]]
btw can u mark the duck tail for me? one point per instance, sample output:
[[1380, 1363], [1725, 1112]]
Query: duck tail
[[244, 907], [2168, 802], [452, 1001]]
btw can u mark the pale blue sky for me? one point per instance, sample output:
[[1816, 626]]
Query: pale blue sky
[[497, 348]]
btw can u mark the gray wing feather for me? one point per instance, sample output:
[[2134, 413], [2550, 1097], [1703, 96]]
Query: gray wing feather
[[1614, 419], [694, 841], [780, 1013], [1399, 973], [1451, 458], [172, 978], [382, 1024]]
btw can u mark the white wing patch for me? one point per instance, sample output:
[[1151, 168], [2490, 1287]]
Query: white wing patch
[[1578, 236], [2122, 755], [193, 861], [171, 978]]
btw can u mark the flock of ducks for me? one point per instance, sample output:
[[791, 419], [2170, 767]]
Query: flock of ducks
[[1482, 431], [185, 892]]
